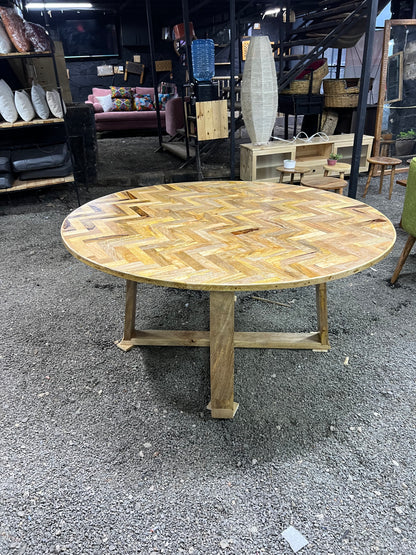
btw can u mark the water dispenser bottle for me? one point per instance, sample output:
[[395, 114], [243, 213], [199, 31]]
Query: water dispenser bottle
[[203, 59]]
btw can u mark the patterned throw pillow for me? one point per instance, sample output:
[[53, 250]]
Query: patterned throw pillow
[[163, 98], [5, 44], [121, 105], [121, 92], [143, 102], [15, 28], [38, 37]]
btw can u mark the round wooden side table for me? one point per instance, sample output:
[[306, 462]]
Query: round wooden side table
[[340, 168], [291, 171], [326, 183], [383, 162]]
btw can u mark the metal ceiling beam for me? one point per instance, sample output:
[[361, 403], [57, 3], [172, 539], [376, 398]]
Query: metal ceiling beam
[[199, 6], [316, 52]]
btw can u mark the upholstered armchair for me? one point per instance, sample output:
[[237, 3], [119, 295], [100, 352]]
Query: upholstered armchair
[[408, 219]]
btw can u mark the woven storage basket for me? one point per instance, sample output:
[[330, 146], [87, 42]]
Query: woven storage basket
[[339, 95], [301, 86]]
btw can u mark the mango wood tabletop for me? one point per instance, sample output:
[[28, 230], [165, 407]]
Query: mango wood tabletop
[[227, 236]]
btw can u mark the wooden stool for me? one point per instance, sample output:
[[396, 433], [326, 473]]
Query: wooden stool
[[297, 169], [339, 168], [386, 146], [325, 183], [382, 161]]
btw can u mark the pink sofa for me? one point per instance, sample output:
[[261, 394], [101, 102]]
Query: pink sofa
[[120, 121]]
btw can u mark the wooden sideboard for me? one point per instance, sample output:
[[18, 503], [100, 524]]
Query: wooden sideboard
[[259, 162]]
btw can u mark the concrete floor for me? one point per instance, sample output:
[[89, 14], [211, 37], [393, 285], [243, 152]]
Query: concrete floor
[[134, 160]]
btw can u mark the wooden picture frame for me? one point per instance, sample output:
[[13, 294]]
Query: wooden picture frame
[[394, 77], [245, 43], [383, 77]]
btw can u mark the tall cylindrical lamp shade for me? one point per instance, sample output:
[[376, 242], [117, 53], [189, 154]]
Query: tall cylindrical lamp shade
[[259, 90]]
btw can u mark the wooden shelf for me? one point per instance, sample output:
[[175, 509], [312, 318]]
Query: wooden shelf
[[272, 160], [37, 183], [46, 54], [20, 123], [22, 185], [259, 162]]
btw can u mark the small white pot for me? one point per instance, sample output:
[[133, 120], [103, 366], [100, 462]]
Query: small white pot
[[289, 164]]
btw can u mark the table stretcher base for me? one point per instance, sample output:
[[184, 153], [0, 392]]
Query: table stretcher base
[[222, 339]]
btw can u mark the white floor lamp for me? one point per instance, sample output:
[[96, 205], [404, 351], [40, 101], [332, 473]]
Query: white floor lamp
[[259, 90]]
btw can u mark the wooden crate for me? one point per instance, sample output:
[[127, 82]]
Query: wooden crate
[[211, 120]]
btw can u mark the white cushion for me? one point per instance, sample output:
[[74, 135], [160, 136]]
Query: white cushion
[[7, 108], [24, 106], [54, 102], [40, 105], [6, 45], [4, 88], [106, 102]]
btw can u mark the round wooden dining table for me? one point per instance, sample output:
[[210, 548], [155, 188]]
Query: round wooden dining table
[[223, 237]]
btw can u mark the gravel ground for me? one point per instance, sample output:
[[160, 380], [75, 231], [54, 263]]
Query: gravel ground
[[103, 451]]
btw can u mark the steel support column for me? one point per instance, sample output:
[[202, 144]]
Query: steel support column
[[152, 63], [232, 88], [362, 98], [188, 39]]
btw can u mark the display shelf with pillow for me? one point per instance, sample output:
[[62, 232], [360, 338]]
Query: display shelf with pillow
[[31, 111], [37, 108], [16, 106]]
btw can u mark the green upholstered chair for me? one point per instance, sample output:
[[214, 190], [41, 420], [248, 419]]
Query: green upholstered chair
[[408, 218]]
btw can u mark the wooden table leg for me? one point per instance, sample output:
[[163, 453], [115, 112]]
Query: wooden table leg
[[381, 179], [129, 316], [222, 340], [403, 257], [322, 312], [370, 175], [393, 172], [222, 354]]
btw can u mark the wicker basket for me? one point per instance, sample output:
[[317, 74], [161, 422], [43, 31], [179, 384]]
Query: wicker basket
[[339, 95], [301, 86]]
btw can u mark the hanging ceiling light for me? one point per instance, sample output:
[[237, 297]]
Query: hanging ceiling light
[[59, 6], [273, 12]]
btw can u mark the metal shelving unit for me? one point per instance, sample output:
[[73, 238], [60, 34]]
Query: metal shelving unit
[[38, 123]]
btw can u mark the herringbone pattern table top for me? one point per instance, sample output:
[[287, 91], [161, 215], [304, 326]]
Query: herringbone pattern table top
[[231, 235]]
